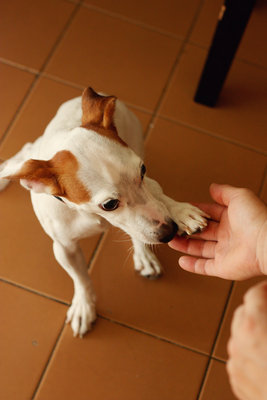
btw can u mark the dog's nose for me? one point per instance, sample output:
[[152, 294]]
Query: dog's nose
[[167, 231]]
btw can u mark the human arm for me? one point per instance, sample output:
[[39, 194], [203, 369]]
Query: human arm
[[247, 347]]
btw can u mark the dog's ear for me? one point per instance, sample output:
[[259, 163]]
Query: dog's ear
[[57, 176], [97, 110], [36, 175]]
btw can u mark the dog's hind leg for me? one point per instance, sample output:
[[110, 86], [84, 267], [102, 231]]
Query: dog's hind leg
[[81, 313]]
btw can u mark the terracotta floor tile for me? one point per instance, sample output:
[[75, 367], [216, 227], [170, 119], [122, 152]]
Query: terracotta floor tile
[[30, 262], [253, 45], [38, 25], [240, 113], [172, 17], [14, 84], [205, 25], [29, 328], [236, 299], [127, 60], [186, 162], [113, 362], [179, 306], [143, 117], [38, 110], [216, 385]]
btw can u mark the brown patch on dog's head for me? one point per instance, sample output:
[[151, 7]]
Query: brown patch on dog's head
[[57, 176], [97, 114]]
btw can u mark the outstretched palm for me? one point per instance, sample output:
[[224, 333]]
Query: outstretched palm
[[227, 248]]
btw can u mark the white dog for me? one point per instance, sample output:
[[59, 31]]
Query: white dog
[[90, 158]]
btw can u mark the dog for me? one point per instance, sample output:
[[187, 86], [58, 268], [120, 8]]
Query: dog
[[86, 172]]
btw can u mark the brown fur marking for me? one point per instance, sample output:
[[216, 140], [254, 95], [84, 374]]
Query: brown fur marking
[[98, 112], [59, 174]]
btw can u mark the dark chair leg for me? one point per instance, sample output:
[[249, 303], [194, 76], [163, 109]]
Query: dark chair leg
[[232, 22]]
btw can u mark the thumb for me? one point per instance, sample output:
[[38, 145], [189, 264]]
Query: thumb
[[223, 194]]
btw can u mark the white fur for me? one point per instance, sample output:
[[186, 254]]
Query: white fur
[[109, 171]]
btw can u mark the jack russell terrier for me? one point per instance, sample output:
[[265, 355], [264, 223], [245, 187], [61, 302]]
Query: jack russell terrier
[[85, 172]]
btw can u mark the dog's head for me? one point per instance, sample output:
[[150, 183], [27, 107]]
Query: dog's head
[[96, 172]]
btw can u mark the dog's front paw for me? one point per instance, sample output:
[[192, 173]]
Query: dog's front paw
[[146, 263], [190, 219], [81, 314]]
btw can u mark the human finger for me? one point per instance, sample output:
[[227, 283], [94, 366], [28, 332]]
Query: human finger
[[236, 379], [223, 194], [194, 247], [255, 301], [209, 233], [199, 266], [237, 320]]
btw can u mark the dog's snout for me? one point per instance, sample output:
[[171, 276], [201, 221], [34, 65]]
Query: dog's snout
[[167, 231]]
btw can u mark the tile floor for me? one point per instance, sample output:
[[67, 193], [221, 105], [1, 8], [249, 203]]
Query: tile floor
[[163, 339]]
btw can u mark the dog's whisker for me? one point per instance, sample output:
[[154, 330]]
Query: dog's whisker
[[130, 252]]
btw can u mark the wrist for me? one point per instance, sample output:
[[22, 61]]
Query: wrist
[[261, 249]]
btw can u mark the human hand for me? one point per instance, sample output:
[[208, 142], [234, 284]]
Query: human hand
[[247, 347], [234, 246]]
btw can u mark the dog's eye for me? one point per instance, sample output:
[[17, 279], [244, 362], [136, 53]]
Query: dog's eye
[[143, 171], [59, 198], [110, 205]]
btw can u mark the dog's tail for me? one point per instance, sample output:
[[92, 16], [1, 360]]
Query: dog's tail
[[3, 182]]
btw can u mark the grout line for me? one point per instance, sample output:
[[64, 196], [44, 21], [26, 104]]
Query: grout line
[[72, 1], [219, 360], [33, 291], [60, 36], [251, 63], [166, 118], [48, 362], [81, 87], [216, 338], [55, 79], [213, 135], [61, 80], [139, 330], [19, 66], [40, 294], [154, 116], [18, 110], [240, 59], [173, 69], [132, 21], [222, 316], [30, 89], [42, 378]]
